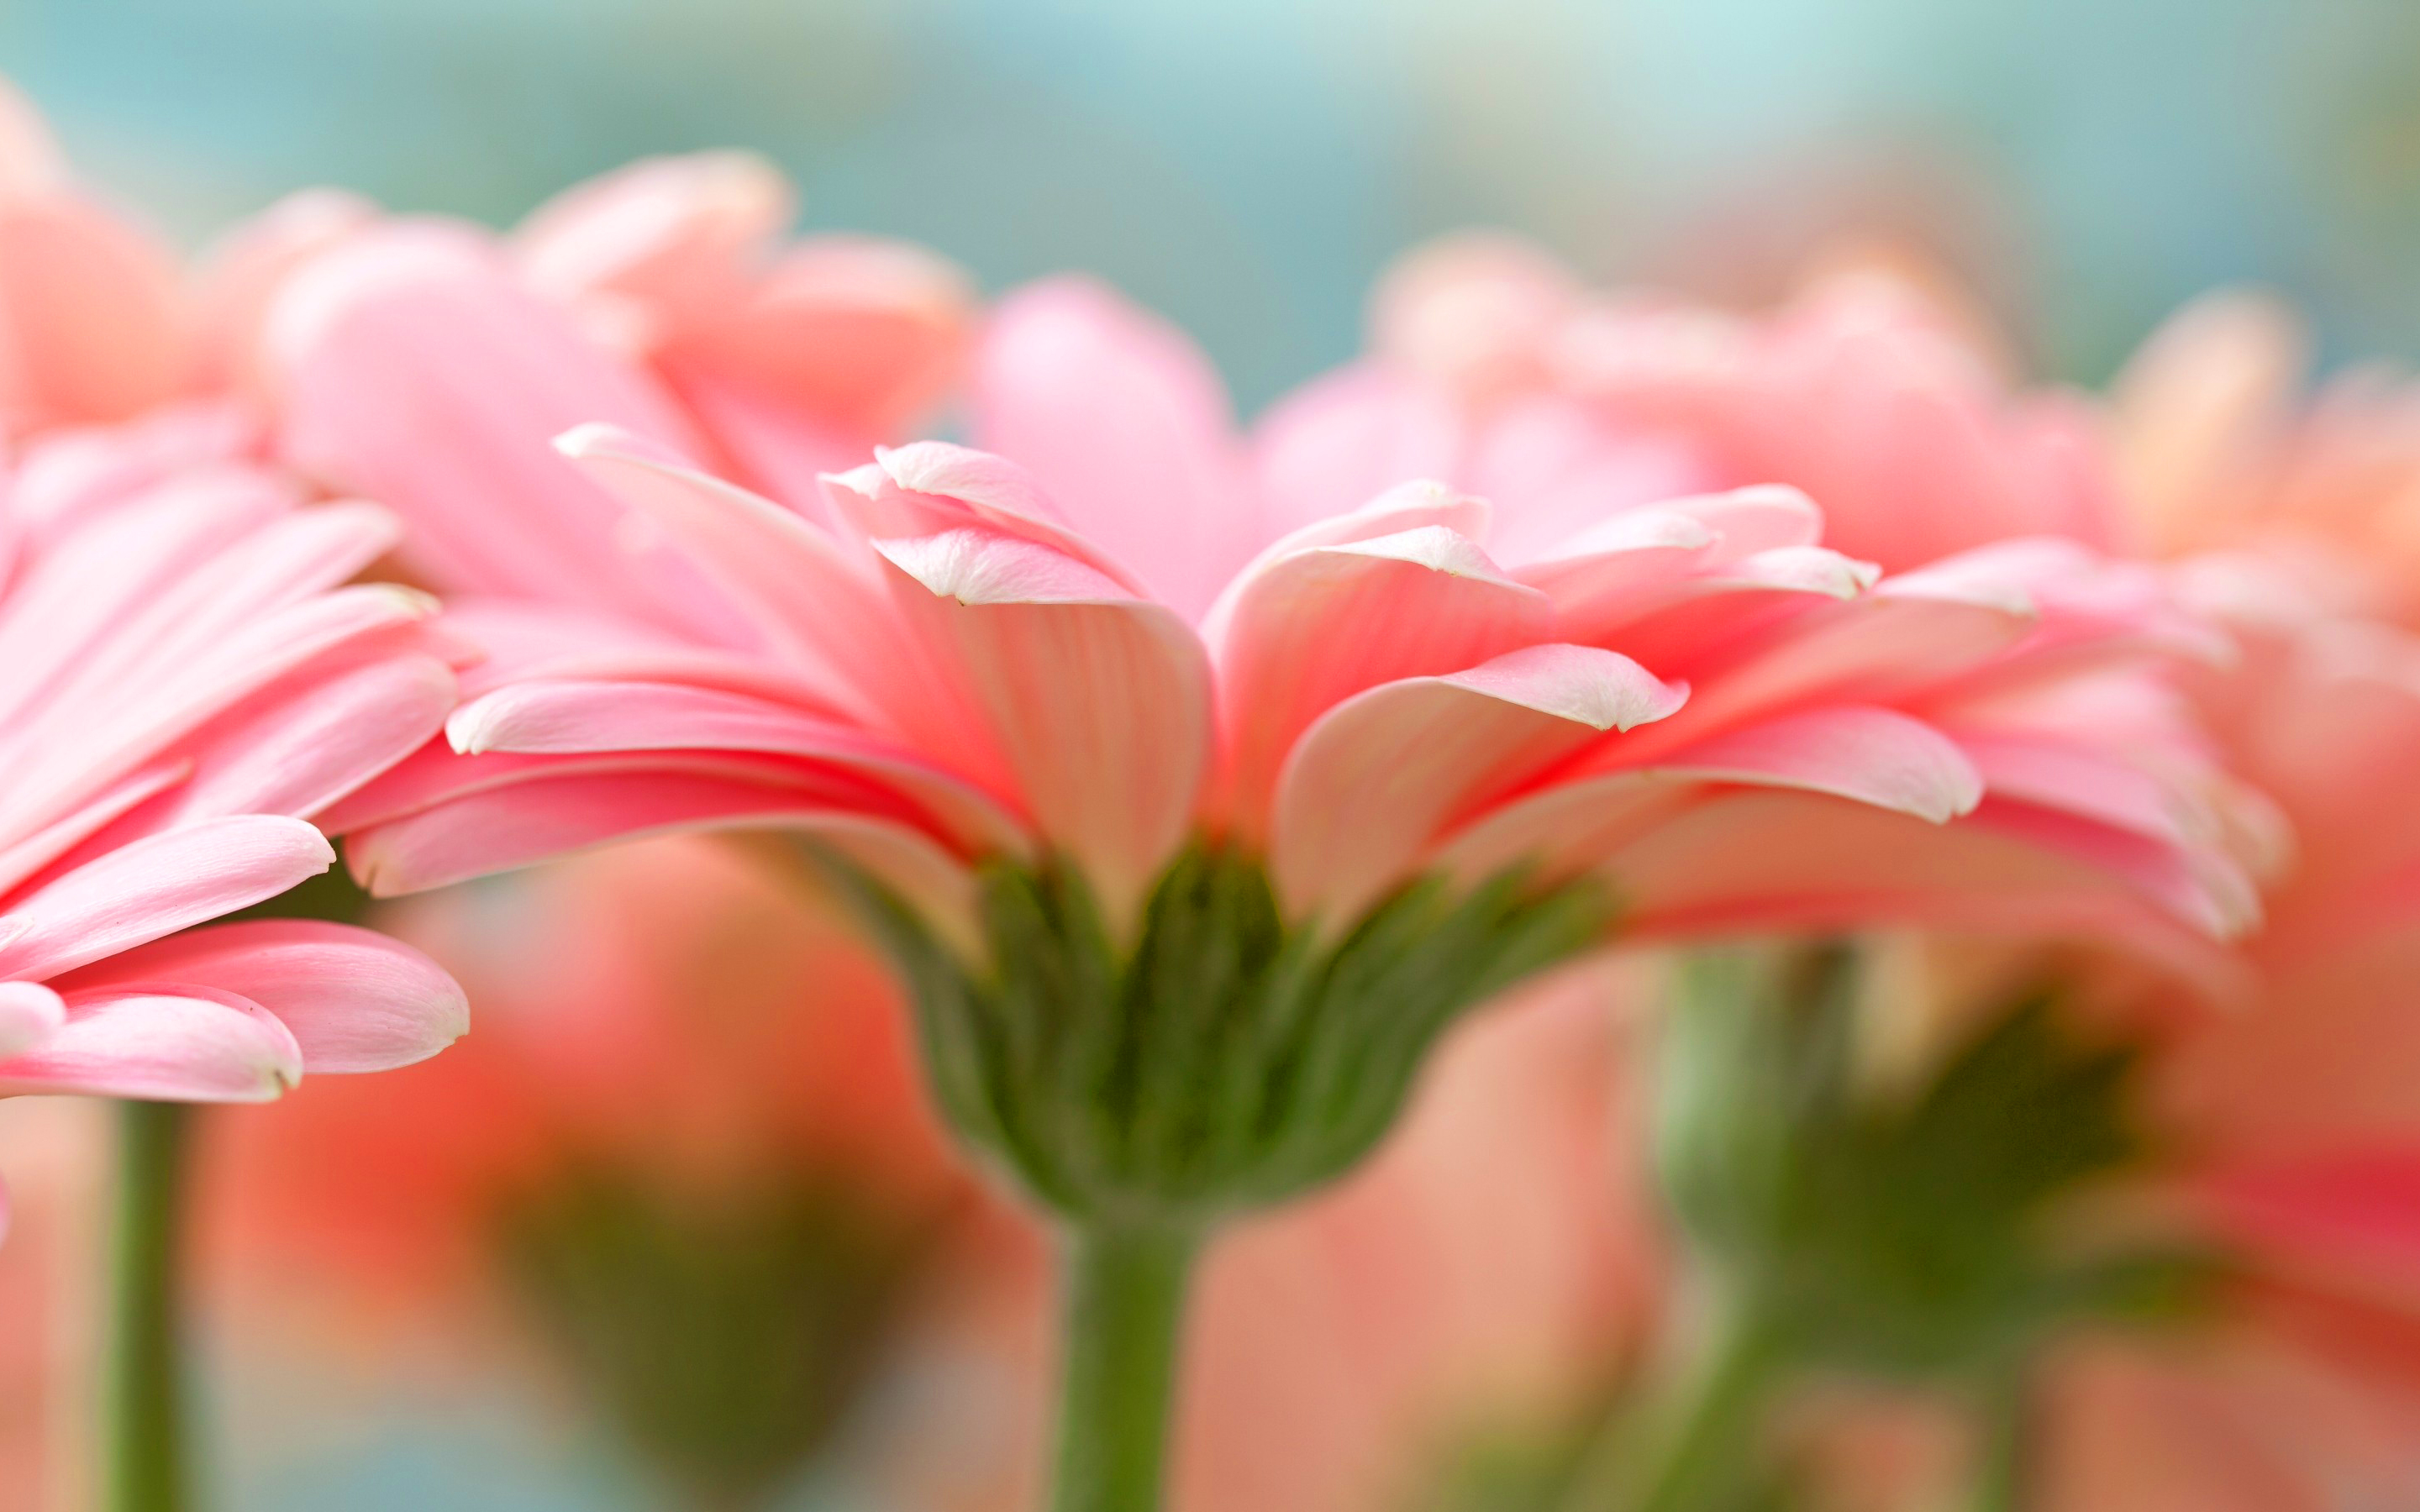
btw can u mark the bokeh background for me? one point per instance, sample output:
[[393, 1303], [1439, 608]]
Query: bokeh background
[[1247, 166]]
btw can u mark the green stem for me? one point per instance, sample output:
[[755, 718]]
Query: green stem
[[2000, 1479], [1125, 1311], [1695, 1445], [143, 1419]]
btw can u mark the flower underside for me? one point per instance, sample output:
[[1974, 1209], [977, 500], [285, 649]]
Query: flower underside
[[1226, 1060]]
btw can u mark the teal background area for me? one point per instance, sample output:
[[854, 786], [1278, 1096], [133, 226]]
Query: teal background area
[[1247, 166]]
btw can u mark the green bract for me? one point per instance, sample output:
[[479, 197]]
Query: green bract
[[1226, 1060], [1916, 1237]]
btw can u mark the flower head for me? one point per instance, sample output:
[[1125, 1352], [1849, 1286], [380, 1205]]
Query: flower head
[[1114, 696]]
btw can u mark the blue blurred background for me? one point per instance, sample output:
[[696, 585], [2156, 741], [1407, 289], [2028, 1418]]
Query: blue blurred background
[[1246, 164]]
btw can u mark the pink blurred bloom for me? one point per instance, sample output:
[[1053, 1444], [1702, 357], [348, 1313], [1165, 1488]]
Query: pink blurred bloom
[[98, 322], [186, 686], [1870, 391], [1145, 632]]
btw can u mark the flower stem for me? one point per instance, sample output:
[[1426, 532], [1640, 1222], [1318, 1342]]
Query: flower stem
[[1125, 1311], [2000, 1478], [1692, 1446], [143, 1420]]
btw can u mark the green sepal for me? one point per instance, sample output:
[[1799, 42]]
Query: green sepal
[[1902, 1238], [722, 1339], [1227, 1058]]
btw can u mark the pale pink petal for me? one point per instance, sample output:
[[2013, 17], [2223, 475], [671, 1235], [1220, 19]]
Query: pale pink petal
[[927, 487], [243, 272], [165, 1042], [829, 620], [1377, 776], [1473, 310], [1127, 424], [154, 886], [1099, 701], [412, 369], [557, 718], [354, 1001], [1348, 436], [679, 237], [862, 334], [1309, 630], [29, 1012], [92, 323], [502, 828], [1872, 755]]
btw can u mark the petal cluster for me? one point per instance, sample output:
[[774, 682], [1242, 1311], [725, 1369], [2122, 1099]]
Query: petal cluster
[[1120, 624], [189, 682]]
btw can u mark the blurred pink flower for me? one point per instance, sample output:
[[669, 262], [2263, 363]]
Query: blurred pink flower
[[186, 686], [1871, 391], [947, 655], [98, 322]]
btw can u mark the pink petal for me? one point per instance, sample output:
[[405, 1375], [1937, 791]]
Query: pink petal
[[154, 886], [29, 1013], [1348, 436], [678, 236], [829, 620], [356, 1001], [1127, 425], [167, 1043], [417, 332], [575, 717], [861, 334], [1304, 632], [1876, 756], [92, 323], [1100, 702], [543, 816], [932, 486], [1377, 776]]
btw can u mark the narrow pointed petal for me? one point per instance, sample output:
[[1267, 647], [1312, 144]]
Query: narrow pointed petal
[[1305, 632], [1127, 424], [570, 717], [419, 331], [154, 886], [505, 827], [829, 620], [353, 1000], [1380, 774], [1872, 755], [1100, 702], [29, 1012], [162, 1043]]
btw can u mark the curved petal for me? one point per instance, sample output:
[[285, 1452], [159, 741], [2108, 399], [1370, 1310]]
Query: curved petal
[[570, 717], [1874, 756], [92, 319], [829, 620], [1306, 631], [1371, 782], [676, 236], [156, 885], [28, 1013], [1127, 425], [354, 1000], [546, 815], [412, 369], [1100, 702], [164, 1043]]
